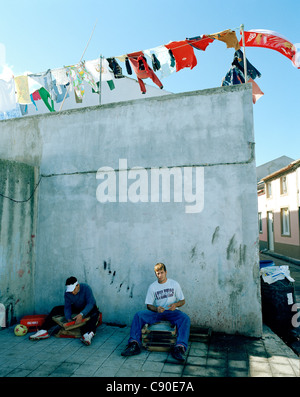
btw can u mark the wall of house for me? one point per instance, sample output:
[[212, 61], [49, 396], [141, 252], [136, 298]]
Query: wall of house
[[102, 218], [17, 237], [285, 245]]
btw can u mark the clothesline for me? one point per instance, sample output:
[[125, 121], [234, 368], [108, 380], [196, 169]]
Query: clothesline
[[168, 58], [121, 57]]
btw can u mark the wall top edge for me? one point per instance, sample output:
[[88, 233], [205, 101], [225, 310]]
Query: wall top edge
[[204, 92]]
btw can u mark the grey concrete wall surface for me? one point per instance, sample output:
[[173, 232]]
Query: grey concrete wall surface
[[102, 218], [18, 212]]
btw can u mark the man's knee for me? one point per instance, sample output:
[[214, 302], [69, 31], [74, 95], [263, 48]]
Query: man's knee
[[184, 318], [141, 313]]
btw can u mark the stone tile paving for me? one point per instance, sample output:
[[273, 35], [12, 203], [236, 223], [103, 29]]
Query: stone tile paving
[[223, 356]]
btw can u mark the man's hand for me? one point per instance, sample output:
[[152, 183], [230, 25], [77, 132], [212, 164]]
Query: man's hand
[[172, 307], [160, 309], [78, 318]]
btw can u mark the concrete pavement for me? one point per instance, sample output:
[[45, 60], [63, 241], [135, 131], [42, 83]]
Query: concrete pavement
[[222, 356]]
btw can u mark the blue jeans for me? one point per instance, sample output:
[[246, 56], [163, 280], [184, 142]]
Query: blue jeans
[[176, 317]]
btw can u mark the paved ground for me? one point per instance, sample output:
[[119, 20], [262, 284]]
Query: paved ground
[[222, 356]]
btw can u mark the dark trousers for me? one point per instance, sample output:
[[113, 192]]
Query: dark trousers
[[89, 326]]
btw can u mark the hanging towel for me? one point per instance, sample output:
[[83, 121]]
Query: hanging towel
[[163, 55], [7, 95], [45, 80], [183, 53], [227, 36], [22, 89], [60, 76], [93, 67]]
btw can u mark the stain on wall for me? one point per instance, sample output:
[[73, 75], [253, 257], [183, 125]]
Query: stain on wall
[[17, 238]]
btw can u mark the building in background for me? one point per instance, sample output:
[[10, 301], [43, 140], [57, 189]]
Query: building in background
[[279, 211]]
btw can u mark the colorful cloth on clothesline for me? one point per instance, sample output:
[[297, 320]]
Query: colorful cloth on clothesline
[[272, 40], [200, 42], [143, 70], [45, 80], [183, 53], [238, 61], [7, 95], [78, 74], [22, 89], [60, 76], [227, 36], [163, 56], [93, 67], [236, 75]]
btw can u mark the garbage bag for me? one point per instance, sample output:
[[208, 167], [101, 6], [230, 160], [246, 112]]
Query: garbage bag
[[278, 299]]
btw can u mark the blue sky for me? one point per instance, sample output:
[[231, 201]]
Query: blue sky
[[39, 35]]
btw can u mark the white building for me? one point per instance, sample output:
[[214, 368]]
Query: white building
[[279, 211]]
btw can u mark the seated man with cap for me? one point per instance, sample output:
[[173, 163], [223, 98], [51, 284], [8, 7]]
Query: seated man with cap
[[79, 299]]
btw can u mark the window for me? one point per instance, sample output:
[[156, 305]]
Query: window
[[285, 222], [259, 223], [269, 189], [283, 185]]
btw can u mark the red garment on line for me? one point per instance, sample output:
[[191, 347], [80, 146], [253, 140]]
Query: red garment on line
[[183, 53], [135, 58], [36, 96], [200, 42]]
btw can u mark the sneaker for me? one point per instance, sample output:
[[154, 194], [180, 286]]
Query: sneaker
[[177, 353], [132, 349], [41, 334], [87, 338]]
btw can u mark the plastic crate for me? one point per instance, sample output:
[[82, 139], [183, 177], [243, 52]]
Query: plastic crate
[[33, 321]]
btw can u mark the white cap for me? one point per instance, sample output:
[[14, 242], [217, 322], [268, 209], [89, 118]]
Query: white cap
[[71, 287]]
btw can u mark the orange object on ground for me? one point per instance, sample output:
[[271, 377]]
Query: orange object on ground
[[33, 321]]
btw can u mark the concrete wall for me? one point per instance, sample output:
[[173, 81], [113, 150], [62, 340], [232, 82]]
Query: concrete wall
[[114, 245], [17, 237]]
